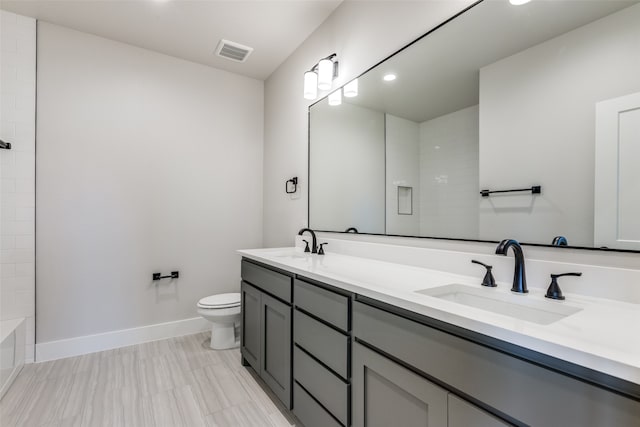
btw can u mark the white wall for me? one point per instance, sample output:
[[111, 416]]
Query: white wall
[[449, 175], [145, 163], [361, 33], [350, 139], [537, 127], [17, 175], [403, 169]]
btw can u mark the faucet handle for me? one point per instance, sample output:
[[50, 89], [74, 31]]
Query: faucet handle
[[306, 247], [488, 280], [321, 249], [553, 291]]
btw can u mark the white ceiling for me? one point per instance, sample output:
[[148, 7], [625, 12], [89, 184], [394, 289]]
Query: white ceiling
[[190, 29]]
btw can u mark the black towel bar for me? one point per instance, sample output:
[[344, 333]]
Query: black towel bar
[[536, 189], [173, 275]]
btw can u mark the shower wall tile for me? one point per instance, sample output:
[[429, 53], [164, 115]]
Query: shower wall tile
[[17, 171]]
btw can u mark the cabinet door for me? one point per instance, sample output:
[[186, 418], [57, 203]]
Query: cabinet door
[[464, 414], [250, 336], [275, 360], [387, 394]]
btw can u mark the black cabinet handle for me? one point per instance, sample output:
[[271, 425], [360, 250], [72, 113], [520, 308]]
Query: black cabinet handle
[[5, 145]]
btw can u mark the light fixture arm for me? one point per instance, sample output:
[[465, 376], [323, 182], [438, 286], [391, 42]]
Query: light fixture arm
[[332, 58]]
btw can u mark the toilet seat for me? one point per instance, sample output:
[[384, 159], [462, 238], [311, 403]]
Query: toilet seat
[[220, 301]]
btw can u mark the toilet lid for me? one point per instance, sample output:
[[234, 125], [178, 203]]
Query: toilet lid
[[221, 300]]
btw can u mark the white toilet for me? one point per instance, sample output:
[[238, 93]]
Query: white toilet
[[223, 311]]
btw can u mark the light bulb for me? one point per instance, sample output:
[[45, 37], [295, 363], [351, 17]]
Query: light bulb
[[310, 85], [335, 98], [518, 2], [389, 77], [325, 74], [351, 89]]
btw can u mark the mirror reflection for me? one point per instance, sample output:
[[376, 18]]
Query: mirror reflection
[[544, 96]]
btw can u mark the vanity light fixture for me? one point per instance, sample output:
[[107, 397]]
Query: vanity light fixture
[[389, 77], [335, 98], [518, 2], [325, 74], [350, 90], [310, 85], [320, 76]]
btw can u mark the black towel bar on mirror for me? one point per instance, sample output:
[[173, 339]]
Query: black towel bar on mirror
[[536, 189], [5, 145]]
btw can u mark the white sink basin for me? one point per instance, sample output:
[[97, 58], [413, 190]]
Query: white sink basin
[[522, 307]]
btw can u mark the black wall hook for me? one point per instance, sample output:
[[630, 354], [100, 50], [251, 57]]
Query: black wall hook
[[5, 145], [294, 182]]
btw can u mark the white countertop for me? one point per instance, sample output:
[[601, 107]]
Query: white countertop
[[602, 336]]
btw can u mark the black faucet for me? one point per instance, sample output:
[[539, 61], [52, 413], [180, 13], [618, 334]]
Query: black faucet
[[314, 241], [559, 241], [519, 277]]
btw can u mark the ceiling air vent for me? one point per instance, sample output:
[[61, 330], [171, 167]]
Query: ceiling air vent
[[233, 51]]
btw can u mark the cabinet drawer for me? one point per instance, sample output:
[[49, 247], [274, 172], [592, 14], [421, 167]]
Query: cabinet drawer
[[309, 411], [326, 305], [272, 282], [510, 385], [325, 386], [326, 344]]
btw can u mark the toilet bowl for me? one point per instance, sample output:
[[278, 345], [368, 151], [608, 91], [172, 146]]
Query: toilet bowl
[[223, 311]]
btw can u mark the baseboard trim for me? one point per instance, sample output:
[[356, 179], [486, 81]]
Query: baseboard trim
[[53, 350]]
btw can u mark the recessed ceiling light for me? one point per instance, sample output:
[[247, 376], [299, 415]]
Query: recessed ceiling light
[[389, 77], [518, 2]]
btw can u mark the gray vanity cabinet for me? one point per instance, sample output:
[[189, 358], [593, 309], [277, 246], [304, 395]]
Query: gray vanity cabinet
[[275, 352], [250, 336], [387, 394], [322, 363], [461, 413], [507, 386], [266, 340]]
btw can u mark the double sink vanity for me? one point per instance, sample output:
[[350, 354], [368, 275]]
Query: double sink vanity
[[476, 131], [347, 340]]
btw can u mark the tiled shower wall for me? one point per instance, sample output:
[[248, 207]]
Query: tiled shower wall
[[17, 175]]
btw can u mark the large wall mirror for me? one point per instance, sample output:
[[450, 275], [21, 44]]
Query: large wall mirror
[[542, 98]]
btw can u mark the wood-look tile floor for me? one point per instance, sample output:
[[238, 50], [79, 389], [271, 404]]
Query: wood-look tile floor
[[174, 382]]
